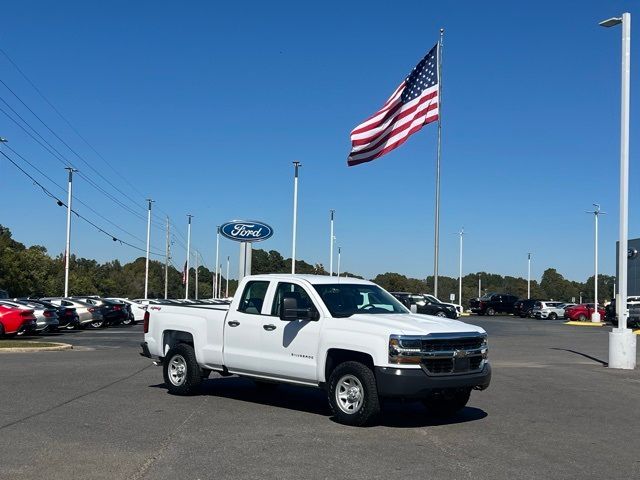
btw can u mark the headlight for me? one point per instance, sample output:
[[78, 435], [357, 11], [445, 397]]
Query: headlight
[[404, 349]]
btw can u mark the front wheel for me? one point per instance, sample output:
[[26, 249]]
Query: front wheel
[[128, 321], [181, 371], [353, 395], [552, 316], [582, 317], [447, 402], [441, 314], [491, 312], [97, 324]]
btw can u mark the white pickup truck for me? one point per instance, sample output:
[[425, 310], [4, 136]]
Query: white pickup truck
[[347, 336]]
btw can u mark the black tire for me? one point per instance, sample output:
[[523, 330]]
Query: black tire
[[448, 402], [1, 330], [363, 379], [582, 317], [490, 312], [552, 316], [181, 381], [97, 324], [441, 314], [128, 321]]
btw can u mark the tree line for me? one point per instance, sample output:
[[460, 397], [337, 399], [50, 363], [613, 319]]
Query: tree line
[[31, 271]]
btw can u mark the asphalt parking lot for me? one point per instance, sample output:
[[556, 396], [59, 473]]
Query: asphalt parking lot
[[101, 411]]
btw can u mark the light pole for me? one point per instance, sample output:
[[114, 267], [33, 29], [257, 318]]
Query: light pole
[[622, 341], [214, 288], [339, 254], [146, 267], [461, 235], [595, 317], [479, 286], [528, 276], [166, 262], [227, 287], [296, 166], [331, 238], [186, 283], [67, 253], [196, 292]]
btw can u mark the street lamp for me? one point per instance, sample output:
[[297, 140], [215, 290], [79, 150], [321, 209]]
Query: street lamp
[[528, 276], [595, 316], [622, 341]]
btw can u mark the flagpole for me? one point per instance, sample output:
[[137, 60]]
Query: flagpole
[[436, 243]]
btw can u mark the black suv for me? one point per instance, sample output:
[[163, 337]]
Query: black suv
[[426, 306], [493, 303], [524, 308]]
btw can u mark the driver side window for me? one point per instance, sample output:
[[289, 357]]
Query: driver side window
[[285, 289]]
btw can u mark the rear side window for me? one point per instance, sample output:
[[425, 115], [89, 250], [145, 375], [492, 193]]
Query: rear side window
[[253, 297]]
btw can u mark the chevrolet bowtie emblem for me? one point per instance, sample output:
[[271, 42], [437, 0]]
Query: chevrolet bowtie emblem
[[460, 354]]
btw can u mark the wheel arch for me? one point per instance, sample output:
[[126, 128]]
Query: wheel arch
[[336, 356], [171, 338]]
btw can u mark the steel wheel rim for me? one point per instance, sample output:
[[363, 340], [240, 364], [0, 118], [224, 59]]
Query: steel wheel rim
[[441, 314], [349, 394], [177, 370]]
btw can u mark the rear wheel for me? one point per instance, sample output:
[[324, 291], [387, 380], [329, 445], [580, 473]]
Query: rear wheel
[[97, 324], [448, 402], [353, 395], [182, 373], [128, 321]]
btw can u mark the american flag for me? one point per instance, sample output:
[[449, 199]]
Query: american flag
[[413, 104]]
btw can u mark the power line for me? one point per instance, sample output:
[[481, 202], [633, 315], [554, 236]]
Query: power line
[[61, 203]]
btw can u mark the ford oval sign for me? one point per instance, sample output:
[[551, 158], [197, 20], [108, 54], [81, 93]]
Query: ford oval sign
[[245, 231]]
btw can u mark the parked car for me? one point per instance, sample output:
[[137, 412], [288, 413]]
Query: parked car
[[113, 313], [633, 320], [88, 315], [436, 300], [568, 305], [548, 309], [15, 320], [524, 308], [583, 312], [46, 318], [135, 309], [493, 303], [67, 316], [426, 306]]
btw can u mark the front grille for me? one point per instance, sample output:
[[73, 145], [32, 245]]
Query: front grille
[[451, 355], [450, 345]]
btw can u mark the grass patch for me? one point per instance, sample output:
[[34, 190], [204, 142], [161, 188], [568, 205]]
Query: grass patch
[[24, 344]]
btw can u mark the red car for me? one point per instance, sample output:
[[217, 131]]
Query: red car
[[582, 312], [14, 320]]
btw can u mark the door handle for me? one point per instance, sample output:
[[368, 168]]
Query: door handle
[[269, 327], [233, 323]]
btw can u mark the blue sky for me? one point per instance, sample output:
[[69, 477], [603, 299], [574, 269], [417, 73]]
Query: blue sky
[[204, 105]]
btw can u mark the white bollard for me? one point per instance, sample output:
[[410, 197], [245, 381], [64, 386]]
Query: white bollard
[[622, 349]]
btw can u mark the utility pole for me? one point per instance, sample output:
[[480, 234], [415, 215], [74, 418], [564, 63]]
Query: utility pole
[[146, 268], [67, 252], [296, 166], [166, 263], [227, 289], [528, 275], [220, 282], [339, 254], [479, 286], [214, 288], [331, 239], [186, 290]]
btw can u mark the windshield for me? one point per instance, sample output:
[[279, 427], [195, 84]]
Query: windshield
[[487, 296], [343, 299]]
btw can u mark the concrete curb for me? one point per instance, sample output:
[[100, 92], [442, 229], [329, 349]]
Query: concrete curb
[[55, 347], [585, 324]]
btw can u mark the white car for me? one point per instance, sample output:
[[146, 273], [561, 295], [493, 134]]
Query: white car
[[549, 309], [351, 338], [137, 308]]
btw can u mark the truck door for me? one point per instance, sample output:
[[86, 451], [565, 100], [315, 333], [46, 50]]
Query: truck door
[[290, 349], [243, 329]]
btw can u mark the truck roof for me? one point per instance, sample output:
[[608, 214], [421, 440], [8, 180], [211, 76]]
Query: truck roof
[[313, 279]]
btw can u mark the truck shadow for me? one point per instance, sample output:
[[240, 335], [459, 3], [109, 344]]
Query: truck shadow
[[396, 413]]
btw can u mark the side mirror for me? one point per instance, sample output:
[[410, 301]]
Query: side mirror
[[289, 311]]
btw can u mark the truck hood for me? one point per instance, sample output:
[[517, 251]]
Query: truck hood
[[413, 324]]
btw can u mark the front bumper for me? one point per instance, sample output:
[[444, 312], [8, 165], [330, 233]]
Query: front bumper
[[415, 383]]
